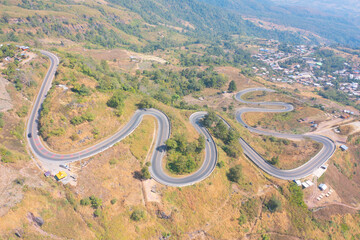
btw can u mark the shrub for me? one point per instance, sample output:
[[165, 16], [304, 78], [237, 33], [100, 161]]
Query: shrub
[[232, 86], [88, 117], [145, 103], [6, 156], [145, 174], [235, 173], [231, 150], [85, 202], [97, 213], [74, 137], [242, 219], [137, 215], [76, 120], [113, 201], [274, 160], [220, 164], [113, 161], [57, 132], [95, 202], [182, 155], [297, 196], [82, 90], [116, 101], [80, 119], [274, 204], [23, 111]]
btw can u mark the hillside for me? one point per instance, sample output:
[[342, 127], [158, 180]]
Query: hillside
[[315, 16], [127, 24], [120, 57]]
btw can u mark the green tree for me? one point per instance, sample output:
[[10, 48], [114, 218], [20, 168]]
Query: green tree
[[145, 103], [171, 144], [116, 101], [210, 119], [274, 204], [145, 174], [232, 86], [235, 173], [200, 144]]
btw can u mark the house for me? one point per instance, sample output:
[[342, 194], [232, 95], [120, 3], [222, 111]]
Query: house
[[310, 183], [47, 174], [322, 187], [305, 185], [24, 48], [344, 147], [298, 182]]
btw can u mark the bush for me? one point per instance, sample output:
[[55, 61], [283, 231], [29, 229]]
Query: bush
[[85, 202], [220, 164], [95, 202], [113, 201], [274, 160], [145, 103], [97, 213], [88, 117], [274, 204], [116, 101], [232, 86], [76, 120], [235, 173], [297, 196], [232, 150], [82, 90], [113, 161], [137, 215], [145, 174], [74, 137], [242, 219], [182, 155], [23, 111]]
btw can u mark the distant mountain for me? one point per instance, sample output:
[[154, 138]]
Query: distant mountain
[[326, 18], [349, 9], [207, 19]]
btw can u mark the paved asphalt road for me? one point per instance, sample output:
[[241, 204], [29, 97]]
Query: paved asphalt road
[[164, 128], [305, 170], [156, 169]]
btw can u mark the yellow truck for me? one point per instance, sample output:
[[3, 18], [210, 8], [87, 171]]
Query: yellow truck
[[61, 175]]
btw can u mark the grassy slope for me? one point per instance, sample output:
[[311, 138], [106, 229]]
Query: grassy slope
[[213, 205]]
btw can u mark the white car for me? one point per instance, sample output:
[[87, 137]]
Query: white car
[[64, 166]]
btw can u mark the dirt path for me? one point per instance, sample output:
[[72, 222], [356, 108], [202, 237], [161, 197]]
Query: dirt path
[[150, 186]]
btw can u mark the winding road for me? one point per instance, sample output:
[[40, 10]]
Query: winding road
[[157, 171], [164, 129], [305, 170]]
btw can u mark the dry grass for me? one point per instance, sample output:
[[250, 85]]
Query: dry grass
[[140, 140], [282, 122]]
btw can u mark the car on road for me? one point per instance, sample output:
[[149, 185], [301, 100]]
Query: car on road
[[209, 140], [29, 135], [64, 166]]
